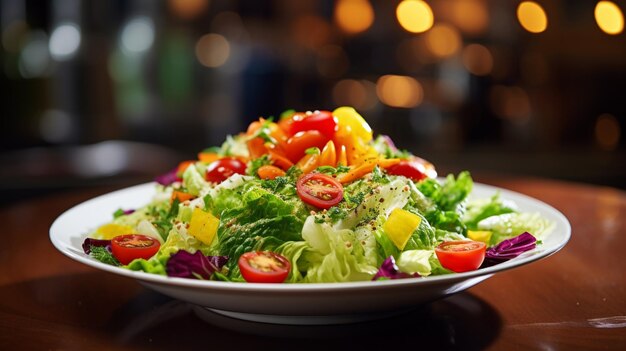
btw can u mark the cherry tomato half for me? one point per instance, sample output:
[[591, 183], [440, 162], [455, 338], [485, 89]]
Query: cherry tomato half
[[410, 169], [218, 171], [264, 267], [131, 246], [461, 255], [322, 121], [319, 190]]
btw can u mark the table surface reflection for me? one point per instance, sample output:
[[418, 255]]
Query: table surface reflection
[[575, 299]]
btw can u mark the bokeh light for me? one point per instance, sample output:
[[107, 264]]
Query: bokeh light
[[34, 59], [532, 17], [399, 91], [212, 50], [415, 16], [56, 126], [443, 40], [188, 9], [138, 35], [354, 16], [510, 102], [477, 59], [607, 131], [311, 31], [609, 17], [64, 41], [360, 94], [471, 16]]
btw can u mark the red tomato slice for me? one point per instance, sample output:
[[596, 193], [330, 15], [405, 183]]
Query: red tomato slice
[[297, 144], [461, 255], [410, 169], [264, 267], [322, 121], [128, 247], [218, 171], [319, 190]]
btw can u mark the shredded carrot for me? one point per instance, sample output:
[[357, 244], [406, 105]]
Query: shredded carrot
[[358, 171], [208, 157], [183, 166], [328, 156], [342, 158], [308, 163], [181, 196], [280, 160], [270, 172], [388, 162]]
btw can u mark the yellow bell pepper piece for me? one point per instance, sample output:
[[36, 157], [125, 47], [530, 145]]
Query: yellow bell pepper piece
[[479, 235], [348, 117], [400, 225], [111, 230], [203, 226]]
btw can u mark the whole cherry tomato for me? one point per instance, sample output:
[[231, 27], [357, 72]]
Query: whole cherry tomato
[[220, 170]]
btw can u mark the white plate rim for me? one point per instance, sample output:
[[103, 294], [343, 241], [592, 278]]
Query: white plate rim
[[56, 237]]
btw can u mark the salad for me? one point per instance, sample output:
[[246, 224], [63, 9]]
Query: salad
[[313, 197]]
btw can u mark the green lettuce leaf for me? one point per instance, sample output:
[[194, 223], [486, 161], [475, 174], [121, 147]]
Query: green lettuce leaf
[[479, 209], [509, 225], [336, 255], [264, 222]]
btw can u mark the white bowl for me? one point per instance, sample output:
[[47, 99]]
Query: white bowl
[[328, 303]]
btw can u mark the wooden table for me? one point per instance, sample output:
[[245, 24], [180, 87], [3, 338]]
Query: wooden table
[[575, 299]]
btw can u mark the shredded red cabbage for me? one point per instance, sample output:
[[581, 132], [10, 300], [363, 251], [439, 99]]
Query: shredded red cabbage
[[389, 270], [509, 249], [183, 264], [389, 142], [167, 178], [89, 242]]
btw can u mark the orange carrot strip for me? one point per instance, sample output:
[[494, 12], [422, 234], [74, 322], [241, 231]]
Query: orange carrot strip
[[388, 162], [270, 172], [181, 196], [358, 172]]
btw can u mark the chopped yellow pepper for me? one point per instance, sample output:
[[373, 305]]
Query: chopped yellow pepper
[[479, 235], [111, 230], [203, 226], [400, 226]]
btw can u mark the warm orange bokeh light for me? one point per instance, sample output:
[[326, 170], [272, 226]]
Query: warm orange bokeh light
[[471, 16], [532, 17], [443, 40], [609, 17], [607, 131], [477, 59], [415, 16], [354, 16], [399, 91], [188, 9], [212, 50]]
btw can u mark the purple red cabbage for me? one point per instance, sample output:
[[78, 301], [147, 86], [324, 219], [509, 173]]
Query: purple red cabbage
[[89, 242], [389, 270], [167, 178], [184, 264], [389, 142], [509, 249]]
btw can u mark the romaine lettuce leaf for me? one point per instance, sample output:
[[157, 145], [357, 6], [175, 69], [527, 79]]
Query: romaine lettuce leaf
[[479, 209], [336, 255], [263, 223], [508, 225]]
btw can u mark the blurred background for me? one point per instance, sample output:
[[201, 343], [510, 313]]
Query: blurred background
[[114, 92]]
